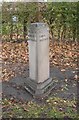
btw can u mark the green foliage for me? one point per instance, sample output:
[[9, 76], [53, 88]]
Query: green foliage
[[61, 17]]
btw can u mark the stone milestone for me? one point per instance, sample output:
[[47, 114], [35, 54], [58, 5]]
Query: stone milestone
[[39, 82]]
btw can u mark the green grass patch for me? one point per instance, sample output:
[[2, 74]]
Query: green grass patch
[[53, 108]]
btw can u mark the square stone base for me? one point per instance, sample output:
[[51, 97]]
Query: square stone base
[[39, 89]]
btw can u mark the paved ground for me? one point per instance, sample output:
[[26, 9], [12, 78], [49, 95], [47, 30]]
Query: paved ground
[[66, 85]]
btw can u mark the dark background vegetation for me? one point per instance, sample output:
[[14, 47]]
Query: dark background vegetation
[[62, 19]]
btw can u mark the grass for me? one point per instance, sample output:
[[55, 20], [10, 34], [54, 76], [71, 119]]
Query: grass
[[52, 108]]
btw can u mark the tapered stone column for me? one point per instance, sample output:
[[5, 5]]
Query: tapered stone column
[[39, 82]]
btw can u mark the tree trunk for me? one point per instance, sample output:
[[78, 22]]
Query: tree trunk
[[59, 35], [38, 13], [63, 34], [74, 34], [17, 32], [24, 29], [11, 30]]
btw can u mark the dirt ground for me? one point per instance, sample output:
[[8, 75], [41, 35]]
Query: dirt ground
[[65, 85], [63, 70]]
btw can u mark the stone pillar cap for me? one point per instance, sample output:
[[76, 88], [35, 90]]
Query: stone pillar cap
[[33, 27], [38, 24]]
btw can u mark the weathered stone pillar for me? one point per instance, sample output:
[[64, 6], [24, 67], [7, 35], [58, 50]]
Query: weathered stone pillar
[[39, 82]]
